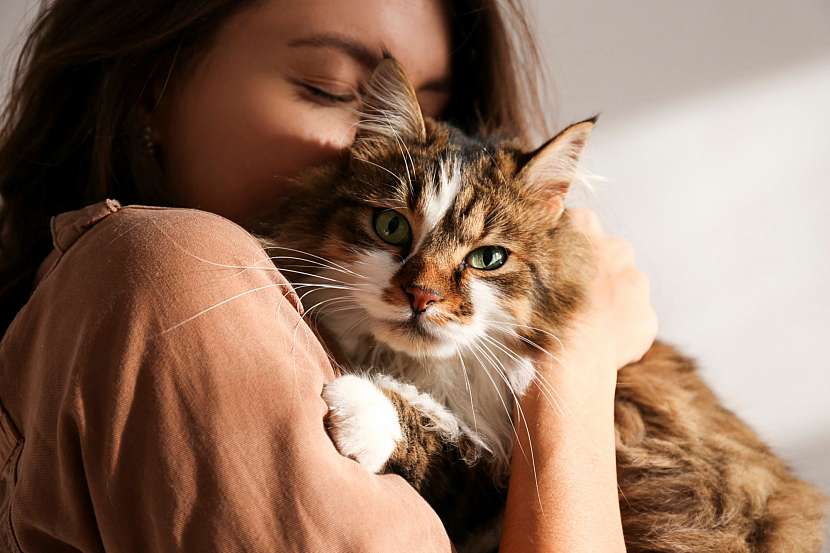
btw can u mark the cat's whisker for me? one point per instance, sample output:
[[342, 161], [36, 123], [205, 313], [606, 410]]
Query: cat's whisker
[[301, 285], [351, 328], [537, 329], [483, 367], [548, 389], [312, 275], [335, 301], [329, 261], [548, 392], [316, 264], [341, 309], [467, 383], [502, 372], [304, 284], [532, 344], [313, 267], [317, 305], [219, 304]]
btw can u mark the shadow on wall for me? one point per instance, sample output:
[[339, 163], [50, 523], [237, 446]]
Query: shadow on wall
[[701, 44]]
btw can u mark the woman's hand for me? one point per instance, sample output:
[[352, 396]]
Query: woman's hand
[[618, 323], [565, 497]]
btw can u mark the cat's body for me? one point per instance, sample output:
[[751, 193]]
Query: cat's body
[[441, 267]]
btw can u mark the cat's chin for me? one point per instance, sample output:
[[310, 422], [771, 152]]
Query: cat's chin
[[403, 339]]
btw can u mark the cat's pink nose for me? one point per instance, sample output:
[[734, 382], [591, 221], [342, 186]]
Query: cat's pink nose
[[420, 298]]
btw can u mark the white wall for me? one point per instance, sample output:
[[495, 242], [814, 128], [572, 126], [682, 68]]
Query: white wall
[[715, 140], [13, 15]]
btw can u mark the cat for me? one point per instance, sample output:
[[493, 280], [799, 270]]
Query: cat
[[438, 268]]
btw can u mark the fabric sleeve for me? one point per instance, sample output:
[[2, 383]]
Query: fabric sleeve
[[194, 415]]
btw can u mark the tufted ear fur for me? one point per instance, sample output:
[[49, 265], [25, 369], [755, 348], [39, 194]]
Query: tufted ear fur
[[548, 171], [389, 108]]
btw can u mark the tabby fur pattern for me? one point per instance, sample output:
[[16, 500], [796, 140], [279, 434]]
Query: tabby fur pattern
[[436, 350]]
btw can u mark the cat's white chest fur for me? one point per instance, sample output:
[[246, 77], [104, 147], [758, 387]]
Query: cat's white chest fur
[[480, 387]]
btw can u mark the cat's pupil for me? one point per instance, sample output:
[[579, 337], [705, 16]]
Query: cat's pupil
[[393, 225], [488, 257]]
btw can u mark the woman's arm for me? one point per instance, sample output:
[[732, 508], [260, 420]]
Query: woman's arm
[[170, 401], [569, 503]]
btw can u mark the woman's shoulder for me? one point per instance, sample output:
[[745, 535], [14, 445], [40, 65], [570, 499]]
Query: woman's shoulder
[[128, 229], [169, 257], [108, 236]]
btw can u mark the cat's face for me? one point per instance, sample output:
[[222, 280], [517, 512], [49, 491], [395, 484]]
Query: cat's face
[[435, 243]]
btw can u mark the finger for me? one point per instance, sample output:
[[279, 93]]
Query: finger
[[620, 251], [586, 220]]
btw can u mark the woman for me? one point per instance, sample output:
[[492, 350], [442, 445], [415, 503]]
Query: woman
[[157, 397]]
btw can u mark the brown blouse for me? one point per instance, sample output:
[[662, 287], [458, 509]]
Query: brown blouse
[[161, 392]]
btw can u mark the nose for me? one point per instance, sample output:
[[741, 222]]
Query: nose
[[420, 298]]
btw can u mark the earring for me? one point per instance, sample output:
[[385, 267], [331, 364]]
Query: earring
[[148, 140]]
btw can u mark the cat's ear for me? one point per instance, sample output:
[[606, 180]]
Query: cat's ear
[[549, 170], [389, 107]]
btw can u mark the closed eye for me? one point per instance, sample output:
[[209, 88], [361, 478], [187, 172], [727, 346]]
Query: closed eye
[[322, 96]]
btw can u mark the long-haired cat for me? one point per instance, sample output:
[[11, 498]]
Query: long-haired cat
[[439, 267]]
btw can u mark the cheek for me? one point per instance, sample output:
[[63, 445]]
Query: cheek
[[376, 269], [231, 150]]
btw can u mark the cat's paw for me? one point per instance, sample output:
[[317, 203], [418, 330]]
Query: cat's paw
[[362, 422]]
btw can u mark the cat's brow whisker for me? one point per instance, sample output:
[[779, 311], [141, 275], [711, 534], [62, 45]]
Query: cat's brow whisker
[[379, 166], [275, 247], [399, 143]]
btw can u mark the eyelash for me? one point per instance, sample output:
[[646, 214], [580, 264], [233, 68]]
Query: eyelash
[[320, 95]]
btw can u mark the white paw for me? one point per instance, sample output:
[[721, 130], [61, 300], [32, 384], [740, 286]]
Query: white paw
[[363, 423]]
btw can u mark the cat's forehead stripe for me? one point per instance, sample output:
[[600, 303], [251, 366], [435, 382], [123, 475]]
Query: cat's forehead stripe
[[440, 194]]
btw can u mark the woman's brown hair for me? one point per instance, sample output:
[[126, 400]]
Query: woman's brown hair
[[68, 134]]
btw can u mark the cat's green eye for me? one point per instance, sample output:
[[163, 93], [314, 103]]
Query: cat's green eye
[[487, 258], [392, 227]]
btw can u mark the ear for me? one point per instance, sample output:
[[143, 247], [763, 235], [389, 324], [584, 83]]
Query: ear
[[389, 107], [548, 171]]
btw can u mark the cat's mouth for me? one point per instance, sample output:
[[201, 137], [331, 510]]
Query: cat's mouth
[[415, 335], [417, 326]]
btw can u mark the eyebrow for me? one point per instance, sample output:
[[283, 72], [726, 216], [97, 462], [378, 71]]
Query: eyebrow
[[361, 53], [353, 48]]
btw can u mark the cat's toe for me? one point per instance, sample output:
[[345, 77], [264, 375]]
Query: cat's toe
[[362, 421]]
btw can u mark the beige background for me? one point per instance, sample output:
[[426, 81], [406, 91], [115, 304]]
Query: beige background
[[715, 142]]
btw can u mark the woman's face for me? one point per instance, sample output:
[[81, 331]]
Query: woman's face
[[277, 90]]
